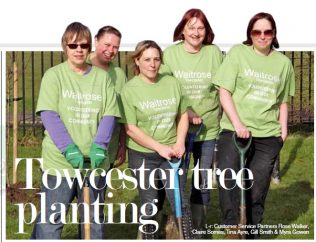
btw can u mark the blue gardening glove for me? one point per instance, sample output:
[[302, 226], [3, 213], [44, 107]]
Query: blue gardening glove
[[98, 155], [74, 156]]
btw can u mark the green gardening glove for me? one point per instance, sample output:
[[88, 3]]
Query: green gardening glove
[[74, 156], [98, 155]]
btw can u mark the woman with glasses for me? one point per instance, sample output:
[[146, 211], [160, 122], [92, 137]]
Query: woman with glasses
[[77, 105], [254, 83], [194, 61], [156, 123]]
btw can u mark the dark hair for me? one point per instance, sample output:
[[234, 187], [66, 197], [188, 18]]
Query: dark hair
[[139, 50], [194, 13], [253, 20], [108, 29], [76, 29]]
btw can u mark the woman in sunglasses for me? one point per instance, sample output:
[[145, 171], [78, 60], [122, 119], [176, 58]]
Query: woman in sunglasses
[[77, 105], [156, 123], [194, 61], [255, 81]]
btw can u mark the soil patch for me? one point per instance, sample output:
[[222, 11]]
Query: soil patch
[[17, 194]]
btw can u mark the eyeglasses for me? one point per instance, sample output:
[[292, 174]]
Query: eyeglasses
[[75, 46], [267, 33]]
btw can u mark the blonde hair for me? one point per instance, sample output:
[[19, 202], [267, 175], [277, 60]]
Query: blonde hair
[[139, 50]]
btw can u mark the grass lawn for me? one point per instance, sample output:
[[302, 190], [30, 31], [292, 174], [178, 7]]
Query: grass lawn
[[290, 203]]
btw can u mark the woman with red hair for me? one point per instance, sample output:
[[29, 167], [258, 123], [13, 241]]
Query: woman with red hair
[[194, 60]]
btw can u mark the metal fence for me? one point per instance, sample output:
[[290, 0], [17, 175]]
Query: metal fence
[[301, 108], [32, 66]]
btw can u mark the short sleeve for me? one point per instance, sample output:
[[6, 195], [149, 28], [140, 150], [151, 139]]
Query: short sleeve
[[49, 93], [128, 110], [289, 87], [227, 73]]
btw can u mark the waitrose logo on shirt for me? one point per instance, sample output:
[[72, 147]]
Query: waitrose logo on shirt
[[192, 74], [261, 75], [157, 103], [80, 96]]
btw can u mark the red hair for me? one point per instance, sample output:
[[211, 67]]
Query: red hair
[[194, 13]]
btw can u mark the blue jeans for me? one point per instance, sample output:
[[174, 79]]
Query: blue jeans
[[203, 153], [65, 195]]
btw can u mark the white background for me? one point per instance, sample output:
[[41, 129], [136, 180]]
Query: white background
[[39, 24]]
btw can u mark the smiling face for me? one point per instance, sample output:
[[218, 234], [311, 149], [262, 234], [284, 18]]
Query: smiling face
[[194, 34], [107, 47], [262, 35], [148, 64], [77, 56]]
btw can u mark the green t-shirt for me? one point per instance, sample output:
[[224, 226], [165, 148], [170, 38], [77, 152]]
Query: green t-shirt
[[195, 73], [118, 78], [258, 84], [81, 101], [153, 108]]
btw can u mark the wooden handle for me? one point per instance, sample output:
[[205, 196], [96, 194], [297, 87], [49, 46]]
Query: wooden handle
[[15, 120], [243, 220], [86, 200]]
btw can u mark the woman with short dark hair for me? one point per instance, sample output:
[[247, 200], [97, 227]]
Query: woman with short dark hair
[[255, 82]]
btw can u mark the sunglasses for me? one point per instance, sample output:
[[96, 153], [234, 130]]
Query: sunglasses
[[75, 46], [257, 33]]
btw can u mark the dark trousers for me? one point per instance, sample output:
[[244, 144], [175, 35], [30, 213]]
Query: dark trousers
[[153, 161], [203, 153], [260, 160], [276, 168]]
